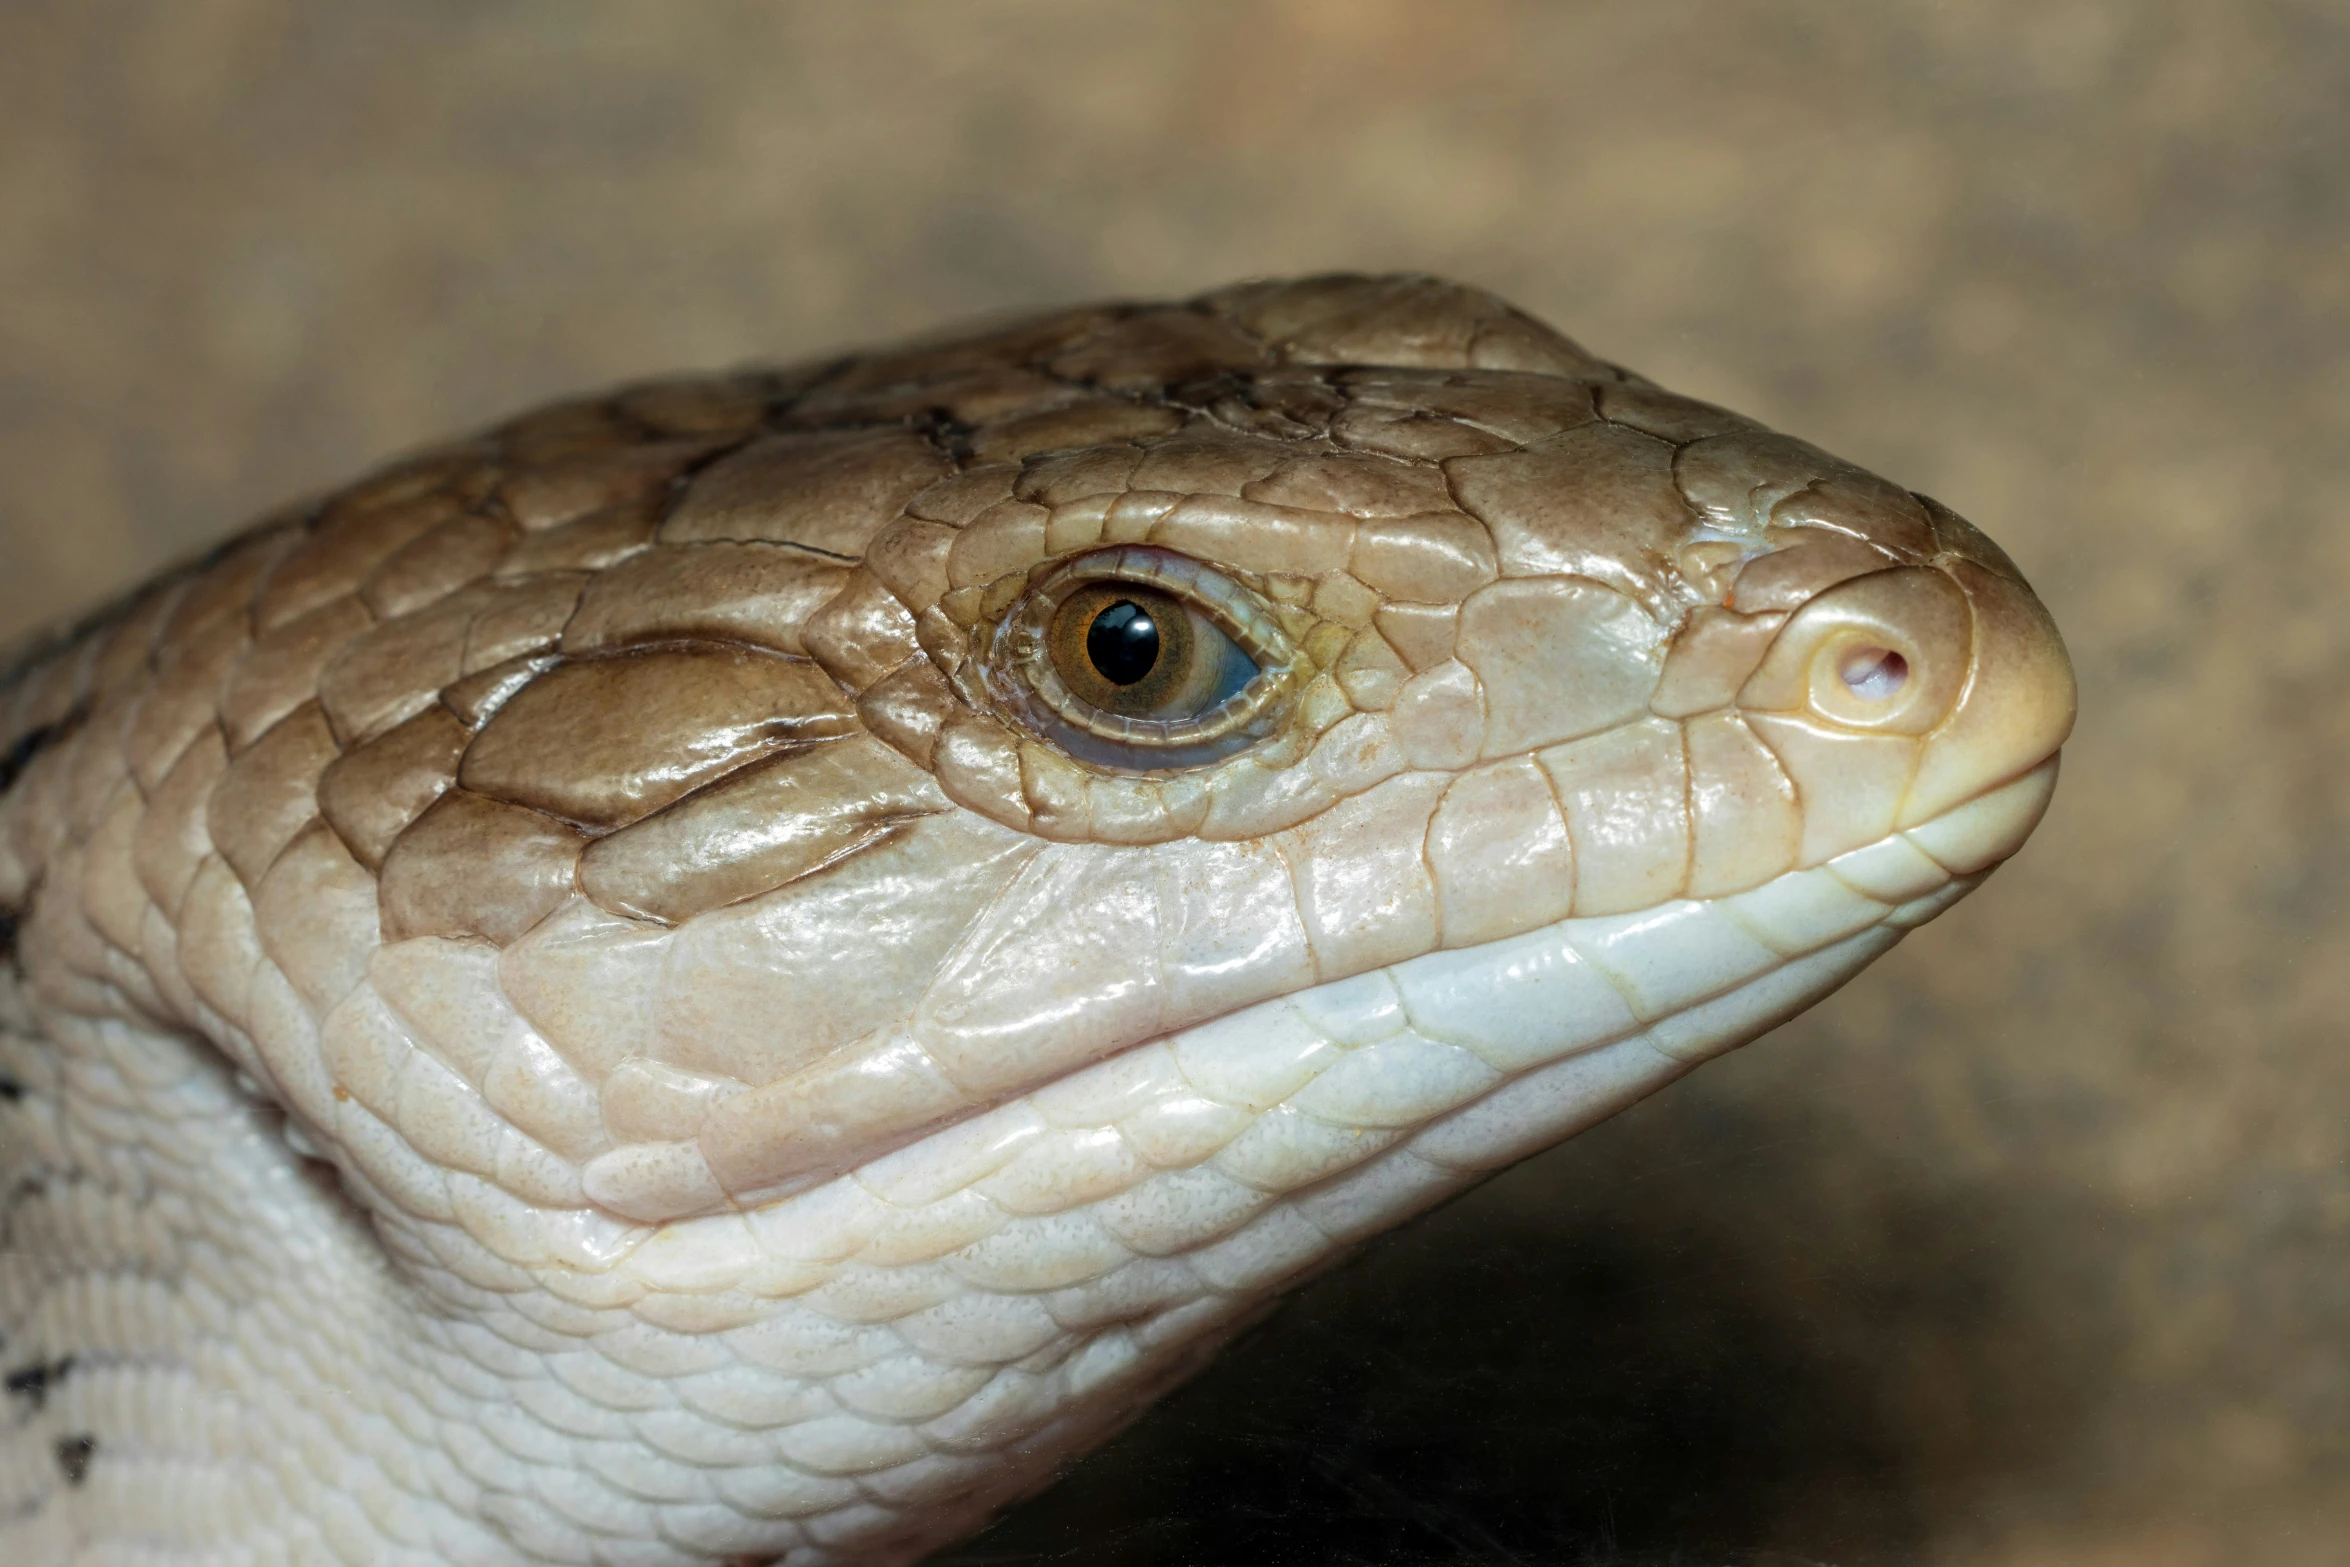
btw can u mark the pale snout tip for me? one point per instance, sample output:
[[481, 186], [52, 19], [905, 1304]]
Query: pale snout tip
[[2017, 710]]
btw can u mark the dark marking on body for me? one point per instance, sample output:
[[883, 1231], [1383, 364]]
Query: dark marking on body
[[952, 436], [32, 1383], [32, 743], [13, 762], [73, 1456]]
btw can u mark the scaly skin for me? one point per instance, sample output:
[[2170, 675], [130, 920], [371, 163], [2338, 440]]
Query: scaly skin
[[579, 1001]]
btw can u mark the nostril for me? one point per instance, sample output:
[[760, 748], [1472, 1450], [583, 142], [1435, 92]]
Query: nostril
[[1874, 673]]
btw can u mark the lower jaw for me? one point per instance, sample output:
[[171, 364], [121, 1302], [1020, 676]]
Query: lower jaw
[[1455, 1063], [1119, 1254], [1353, 1096], [1446, 1068], [1576, 1020]]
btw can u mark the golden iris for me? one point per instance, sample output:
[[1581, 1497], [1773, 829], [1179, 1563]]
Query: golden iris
[[1135, 651]]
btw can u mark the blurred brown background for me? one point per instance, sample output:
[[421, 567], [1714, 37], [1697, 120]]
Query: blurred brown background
[[2031, 1247]]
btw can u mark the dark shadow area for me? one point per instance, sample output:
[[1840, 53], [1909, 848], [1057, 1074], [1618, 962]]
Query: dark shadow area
[[1580, 1364]]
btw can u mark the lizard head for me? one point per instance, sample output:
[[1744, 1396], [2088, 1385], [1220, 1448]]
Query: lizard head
[[874, 910], [1003, 714]]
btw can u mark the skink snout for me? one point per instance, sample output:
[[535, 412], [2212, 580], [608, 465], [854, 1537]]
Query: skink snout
[[1898, 695], [2017, 706]]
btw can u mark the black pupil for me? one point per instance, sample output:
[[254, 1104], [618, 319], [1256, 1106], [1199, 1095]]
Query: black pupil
[[1123, 642]]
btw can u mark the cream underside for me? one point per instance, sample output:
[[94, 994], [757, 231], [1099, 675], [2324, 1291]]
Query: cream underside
[[819, 1376]]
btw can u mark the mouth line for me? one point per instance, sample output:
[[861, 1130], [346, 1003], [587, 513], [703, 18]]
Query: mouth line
[[1399, 1084], [1664, 961], [1691, 976]]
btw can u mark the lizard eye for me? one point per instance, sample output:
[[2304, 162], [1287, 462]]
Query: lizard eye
[[1141, 659], [1142, 653]]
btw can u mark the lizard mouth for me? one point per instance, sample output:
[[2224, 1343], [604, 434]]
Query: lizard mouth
[[1465, 1061], [1256, 1146]]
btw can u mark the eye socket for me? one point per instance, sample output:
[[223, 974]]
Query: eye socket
[[1142, 659]]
